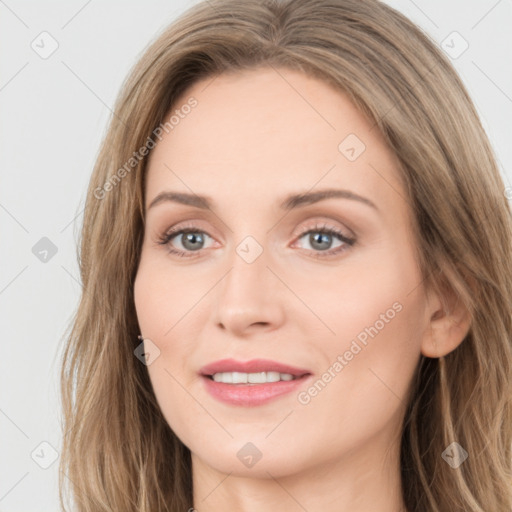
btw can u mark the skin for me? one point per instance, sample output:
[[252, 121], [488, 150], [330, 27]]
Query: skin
[[255, 137]]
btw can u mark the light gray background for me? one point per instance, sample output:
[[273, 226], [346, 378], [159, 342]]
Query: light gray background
[[53, 116]]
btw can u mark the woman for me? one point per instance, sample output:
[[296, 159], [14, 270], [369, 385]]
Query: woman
[[296, 259]]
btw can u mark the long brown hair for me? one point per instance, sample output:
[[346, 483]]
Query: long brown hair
[[118, 451]]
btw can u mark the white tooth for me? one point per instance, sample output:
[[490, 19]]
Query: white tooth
[[272, 376], [257, 378], [239, 378], [227, 377], [251, 378]]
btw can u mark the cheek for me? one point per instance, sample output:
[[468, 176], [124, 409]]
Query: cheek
[[364, 390], [162, 296], [376, 315], [155, 304], [164, 303], [370, 289]]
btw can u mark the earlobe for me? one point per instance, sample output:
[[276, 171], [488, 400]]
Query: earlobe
[[447, 328]]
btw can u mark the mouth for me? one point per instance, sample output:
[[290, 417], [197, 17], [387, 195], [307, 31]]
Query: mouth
[[252, 378], [253, 382], [256, 371]]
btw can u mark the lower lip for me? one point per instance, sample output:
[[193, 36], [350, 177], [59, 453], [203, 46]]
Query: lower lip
[[252, 394]]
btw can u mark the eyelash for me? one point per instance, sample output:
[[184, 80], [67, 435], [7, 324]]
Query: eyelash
[[166, 238]]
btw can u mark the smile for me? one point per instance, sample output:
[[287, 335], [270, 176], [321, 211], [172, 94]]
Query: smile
[[251, 378]]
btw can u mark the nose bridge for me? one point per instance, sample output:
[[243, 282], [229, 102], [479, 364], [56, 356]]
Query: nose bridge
[[249, 272], [248, 293]]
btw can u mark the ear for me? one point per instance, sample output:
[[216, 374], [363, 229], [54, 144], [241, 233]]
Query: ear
[[447, 324]]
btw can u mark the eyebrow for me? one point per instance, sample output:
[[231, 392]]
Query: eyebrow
[[290, 202]]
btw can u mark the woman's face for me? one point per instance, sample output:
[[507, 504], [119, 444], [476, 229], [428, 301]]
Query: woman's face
[[265, 277]]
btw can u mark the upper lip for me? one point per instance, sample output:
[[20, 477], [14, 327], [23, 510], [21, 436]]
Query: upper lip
[[252, 366]]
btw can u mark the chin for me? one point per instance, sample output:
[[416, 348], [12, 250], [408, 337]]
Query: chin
[[276, 466]]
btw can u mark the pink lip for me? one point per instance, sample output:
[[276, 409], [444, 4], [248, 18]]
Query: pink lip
[[251, 394]]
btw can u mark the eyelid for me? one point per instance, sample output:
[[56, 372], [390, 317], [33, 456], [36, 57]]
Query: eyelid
[[300, 230], [322, 223]]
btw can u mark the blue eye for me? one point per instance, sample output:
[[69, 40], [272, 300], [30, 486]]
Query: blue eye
[[320, 238], [193, 238]]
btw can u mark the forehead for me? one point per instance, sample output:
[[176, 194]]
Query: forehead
[[268, 132]]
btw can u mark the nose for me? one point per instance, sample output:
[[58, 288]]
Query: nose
[[249, 298]]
